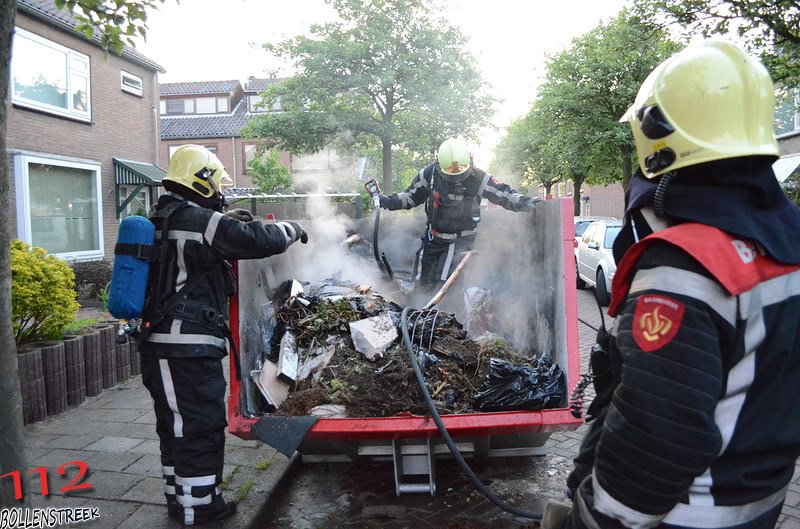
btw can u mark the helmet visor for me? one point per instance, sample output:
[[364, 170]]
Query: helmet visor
[[455, 168]]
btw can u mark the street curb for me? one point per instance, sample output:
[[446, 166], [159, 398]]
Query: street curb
[[292, 464]]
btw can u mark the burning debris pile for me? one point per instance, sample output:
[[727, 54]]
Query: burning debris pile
[[337, 351]]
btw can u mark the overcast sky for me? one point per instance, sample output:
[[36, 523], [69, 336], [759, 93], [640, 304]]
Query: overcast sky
[[203, 40]]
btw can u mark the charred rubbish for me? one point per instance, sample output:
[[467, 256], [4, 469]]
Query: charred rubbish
[[336, 352]]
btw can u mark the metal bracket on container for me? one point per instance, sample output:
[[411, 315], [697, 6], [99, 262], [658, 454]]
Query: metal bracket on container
[[414, 459]]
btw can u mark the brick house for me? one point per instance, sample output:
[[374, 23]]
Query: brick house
[[82, 137], [212, 114]]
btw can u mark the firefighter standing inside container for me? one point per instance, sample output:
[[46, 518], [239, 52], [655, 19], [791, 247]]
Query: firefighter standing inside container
[[184, 325], [695, 420], [451, 189]]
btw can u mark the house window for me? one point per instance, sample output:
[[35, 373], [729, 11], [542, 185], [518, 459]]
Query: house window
[[162, 107], [49, 77], [139, 205], [206, 105], [180, 106], [250, 152], [59, 206], [787, 113], [173, 148], [253, 102], [222, 104], [131, 83]]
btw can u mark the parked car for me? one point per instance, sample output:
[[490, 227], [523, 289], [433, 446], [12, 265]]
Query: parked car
[[581, 223], [595, 263]]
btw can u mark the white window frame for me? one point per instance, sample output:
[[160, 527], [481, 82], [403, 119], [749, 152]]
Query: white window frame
[[209, 105], [252, 100], [52, 109], [137, 91], [23, 200]]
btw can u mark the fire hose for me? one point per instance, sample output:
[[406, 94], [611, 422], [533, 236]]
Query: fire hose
[[486, 491], [446, 436], [374, 190]]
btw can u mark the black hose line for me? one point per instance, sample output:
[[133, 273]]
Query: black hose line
[[446, 436], [592, 327], [375, 228], [383, 263]]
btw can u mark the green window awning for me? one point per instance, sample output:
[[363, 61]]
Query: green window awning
[[139, 175], [129, 172]]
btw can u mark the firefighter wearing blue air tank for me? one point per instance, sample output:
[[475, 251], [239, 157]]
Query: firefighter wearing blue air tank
[[451, 189], [695, 423], [184, 331]]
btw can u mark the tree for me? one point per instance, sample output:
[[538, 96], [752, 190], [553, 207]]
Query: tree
[[769, 28], [115, 22], [389, 72], [525, 151], [268, 173], [587, 88]]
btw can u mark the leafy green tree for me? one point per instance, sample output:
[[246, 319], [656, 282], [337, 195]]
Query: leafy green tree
[[587, 88], [112, 20], [388, 71], [268, 173], [525, 153], [770, 28], [115, 22]]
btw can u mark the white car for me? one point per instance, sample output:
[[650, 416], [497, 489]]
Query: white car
[[582, 222], [595, 260]]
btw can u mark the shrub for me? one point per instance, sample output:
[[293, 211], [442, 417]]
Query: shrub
[[91, 277], [42, 293]]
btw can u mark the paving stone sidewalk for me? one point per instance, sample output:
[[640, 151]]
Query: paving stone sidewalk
[[114, 434]]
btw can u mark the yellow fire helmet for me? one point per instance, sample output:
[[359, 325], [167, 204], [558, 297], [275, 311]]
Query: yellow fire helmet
[[708, 102], [454, 159], [198, 169]]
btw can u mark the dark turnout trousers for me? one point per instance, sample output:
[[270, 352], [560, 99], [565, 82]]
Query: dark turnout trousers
[[189, 402]]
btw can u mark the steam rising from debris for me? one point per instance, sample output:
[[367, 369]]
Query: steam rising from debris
[[515, 261]]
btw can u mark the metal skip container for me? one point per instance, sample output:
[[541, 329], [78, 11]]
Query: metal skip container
[[527, 258]]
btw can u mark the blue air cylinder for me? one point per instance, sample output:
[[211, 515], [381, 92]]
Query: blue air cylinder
[[131, 267]]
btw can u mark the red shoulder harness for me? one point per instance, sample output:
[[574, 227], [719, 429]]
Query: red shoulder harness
[[737, 264]]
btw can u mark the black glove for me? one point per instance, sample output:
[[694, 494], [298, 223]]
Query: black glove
[[294, 231], [240, 214], [529, 202], [384, 201]]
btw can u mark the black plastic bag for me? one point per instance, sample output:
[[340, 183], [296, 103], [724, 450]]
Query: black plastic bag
[[515, 387]]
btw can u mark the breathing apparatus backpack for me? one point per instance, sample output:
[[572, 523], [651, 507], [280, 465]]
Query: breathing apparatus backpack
[[136, 248], [132, 256]]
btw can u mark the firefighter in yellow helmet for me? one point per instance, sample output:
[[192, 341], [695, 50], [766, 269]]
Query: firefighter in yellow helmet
[[451, 189], [695, 422], [184, 332]]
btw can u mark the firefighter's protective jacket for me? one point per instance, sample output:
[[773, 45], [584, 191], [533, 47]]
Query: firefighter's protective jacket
[[699, 427], [199, 243], [454, 208]]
